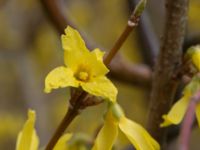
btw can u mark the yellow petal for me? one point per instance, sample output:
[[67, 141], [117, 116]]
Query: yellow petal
[[95, 61], [99, 54], [27, 138], [198, 113], [62, 142], [76, 54], [177, 112], [101, 86], [137, 135], [72, 40], [107, 135], [74, 47], [60, 77]]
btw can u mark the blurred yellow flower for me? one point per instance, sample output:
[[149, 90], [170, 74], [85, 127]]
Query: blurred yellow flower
[[83, 68], [28, 140], [176, 114], [114, 120]]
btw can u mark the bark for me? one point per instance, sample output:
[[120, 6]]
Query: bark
[[169, 59]]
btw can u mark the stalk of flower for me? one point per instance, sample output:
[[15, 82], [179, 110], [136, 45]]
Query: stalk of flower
[[115, 120], [85, 71]]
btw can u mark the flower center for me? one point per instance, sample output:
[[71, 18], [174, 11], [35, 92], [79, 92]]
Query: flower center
[[83, 76]]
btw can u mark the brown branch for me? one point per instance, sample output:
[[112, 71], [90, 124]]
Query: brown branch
[[169, 59], [60, 21], [188, 122]]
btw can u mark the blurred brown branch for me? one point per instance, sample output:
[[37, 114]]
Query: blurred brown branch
[[131, 71], [169, 59], [126, 69]]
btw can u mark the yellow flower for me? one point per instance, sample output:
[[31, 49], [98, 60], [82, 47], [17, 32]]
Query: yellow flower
[[176, 114], [114, 120], [83, 68], [194, 53], [28, 140]]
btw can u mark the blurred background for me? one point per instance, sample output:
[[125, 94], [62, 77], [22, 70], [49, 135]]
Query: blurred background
[[30, 47]]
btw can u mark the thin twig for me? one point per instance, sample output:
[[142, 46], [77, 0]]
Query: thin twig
[[164, 86], [121, 39], [188, 122]]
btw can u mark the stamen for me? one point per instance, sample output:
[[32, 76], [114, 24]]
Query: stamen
[[83, 76]]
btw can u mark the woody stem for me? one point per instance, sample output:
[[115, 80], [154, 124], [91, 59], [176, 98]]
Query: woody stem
[[132, 23]]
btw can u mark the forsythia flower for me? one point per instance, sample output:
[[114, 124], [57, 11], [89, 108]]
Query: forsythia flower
[[28, 139], [114, 120], [83, 68], [176, 114]]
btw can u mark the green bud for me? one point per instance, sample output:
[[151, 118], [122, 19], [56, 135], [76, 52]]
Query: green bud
[[139, 8]]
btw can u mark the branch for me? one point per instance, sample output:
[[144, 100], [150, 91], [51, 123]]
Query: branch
[[188, 121], [169, 59], [60, 21]]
